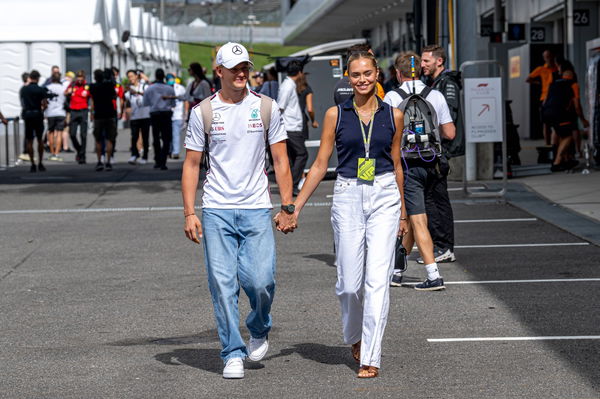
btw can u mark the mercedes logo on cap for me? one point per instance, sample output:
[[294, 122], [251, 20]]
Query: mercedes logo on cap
[[236, 50]]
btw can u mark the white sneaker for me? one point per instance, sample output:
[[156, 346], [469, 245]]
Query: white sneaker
[[142, 161], [234, 368], [132, 160], [257, 348]]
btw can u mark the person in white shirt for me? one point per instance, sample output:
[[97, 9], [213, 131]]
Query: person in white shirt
[[419, 174], [55, 113], [139, 117], [239, 247], [159, 97], [178, 114], [292, 118]]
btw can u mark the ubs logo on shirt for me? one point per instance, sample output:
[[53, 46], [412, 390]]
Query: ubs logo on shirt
[[254, 113]]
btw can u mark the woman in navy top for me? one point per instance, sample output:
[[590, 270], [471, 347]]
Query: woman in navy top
[[368, 207]]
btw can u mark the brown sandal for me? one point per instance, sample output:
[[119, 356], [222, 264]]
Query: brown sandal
[[356, 351], [368, 372]]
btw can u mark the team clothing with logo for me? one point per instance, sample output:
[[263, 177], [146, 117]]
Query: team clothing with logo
[[237, 177]]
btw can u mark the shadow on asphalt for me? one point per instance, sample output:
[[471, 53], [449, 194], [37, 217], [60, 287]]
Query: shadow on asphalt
[[328, 259], [210, 360], [204, 359], [71, 173], [324, 354]]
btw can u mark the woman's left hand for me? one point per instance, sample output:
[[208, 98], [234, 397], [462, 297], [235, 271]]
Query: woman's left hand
[[403, 228]]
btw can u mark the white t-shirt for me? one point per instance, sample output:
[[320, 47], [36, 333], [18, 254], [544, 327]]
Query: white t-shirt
[[237, 178], [288, 102], [136, 101], [178, 109], [56, 105], [436, 99]]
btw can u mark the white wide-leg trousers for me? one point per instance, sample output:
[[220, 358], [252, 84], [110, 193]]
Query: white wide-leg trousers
[[365, 216]]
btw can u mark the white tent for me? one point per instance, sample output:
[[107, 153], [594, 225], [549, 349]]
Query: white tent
[[75, 34], [137, 30], [49, 36], [160, 35], [125, 14]]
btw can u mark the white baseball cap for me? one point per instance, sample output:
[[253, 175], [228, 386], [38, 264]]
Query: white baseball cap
[[231, 54]]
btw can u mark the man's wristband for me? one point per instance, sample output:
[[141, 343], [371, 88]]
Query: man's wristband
[[403, 218], [189, 214]]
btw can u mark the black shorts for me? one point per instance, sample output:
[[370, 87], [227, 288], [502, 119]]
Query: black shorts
[[56, 123], [418, 181], [107, 126], [34, 127], [564, 129]]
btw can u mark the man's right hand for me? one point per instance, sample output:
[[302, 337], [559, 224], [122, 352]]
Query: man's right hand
[[286, 223], [193, 228]]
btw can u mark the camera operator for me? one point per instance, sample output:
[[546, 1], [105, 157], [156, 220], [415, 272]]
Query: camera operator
[[34, 100], [104, 115]]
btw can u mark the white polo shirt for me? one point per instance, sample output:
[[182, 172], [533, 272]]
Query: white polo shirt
[[436, 99], [288, 102], [237, 177]]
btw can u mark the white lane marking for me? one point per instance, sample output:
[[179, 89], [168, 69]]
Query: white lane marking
[[550, 244], [46, 178], [487, 339], [131, 209], [543, 280], [496, 220], [461, 189], [93, 210]]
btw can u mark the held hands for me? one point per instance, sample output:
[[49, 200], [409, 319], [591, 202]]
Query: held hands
[[286, 222], [193, 228]]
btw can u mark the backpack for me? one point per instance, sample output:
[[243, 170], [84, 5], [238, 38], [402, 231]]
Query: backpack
[[558, 107], [266, 104], [421, 138]]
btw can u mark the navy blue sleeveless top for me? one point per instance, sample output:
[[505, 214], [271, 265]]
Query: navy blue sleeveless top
[[349, 140]]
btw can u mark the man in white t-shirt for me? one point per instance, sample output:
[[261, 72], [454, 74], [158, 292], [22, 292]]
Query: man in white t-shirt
[[292, 118], [419, 174], [139, 117], [56, 114], [239, 247], [178, 111]]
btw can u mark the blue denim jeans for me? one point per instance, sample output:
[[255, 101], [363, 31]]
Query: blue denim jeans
[[239, 250], [176, 142]]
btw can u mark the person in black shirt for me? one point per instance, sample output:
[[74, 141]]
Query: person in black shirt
[[33, 101], [104, 116]]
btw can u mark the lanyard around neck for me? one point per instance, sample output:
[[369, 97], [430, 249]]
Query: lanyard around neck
[[366, 137]]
